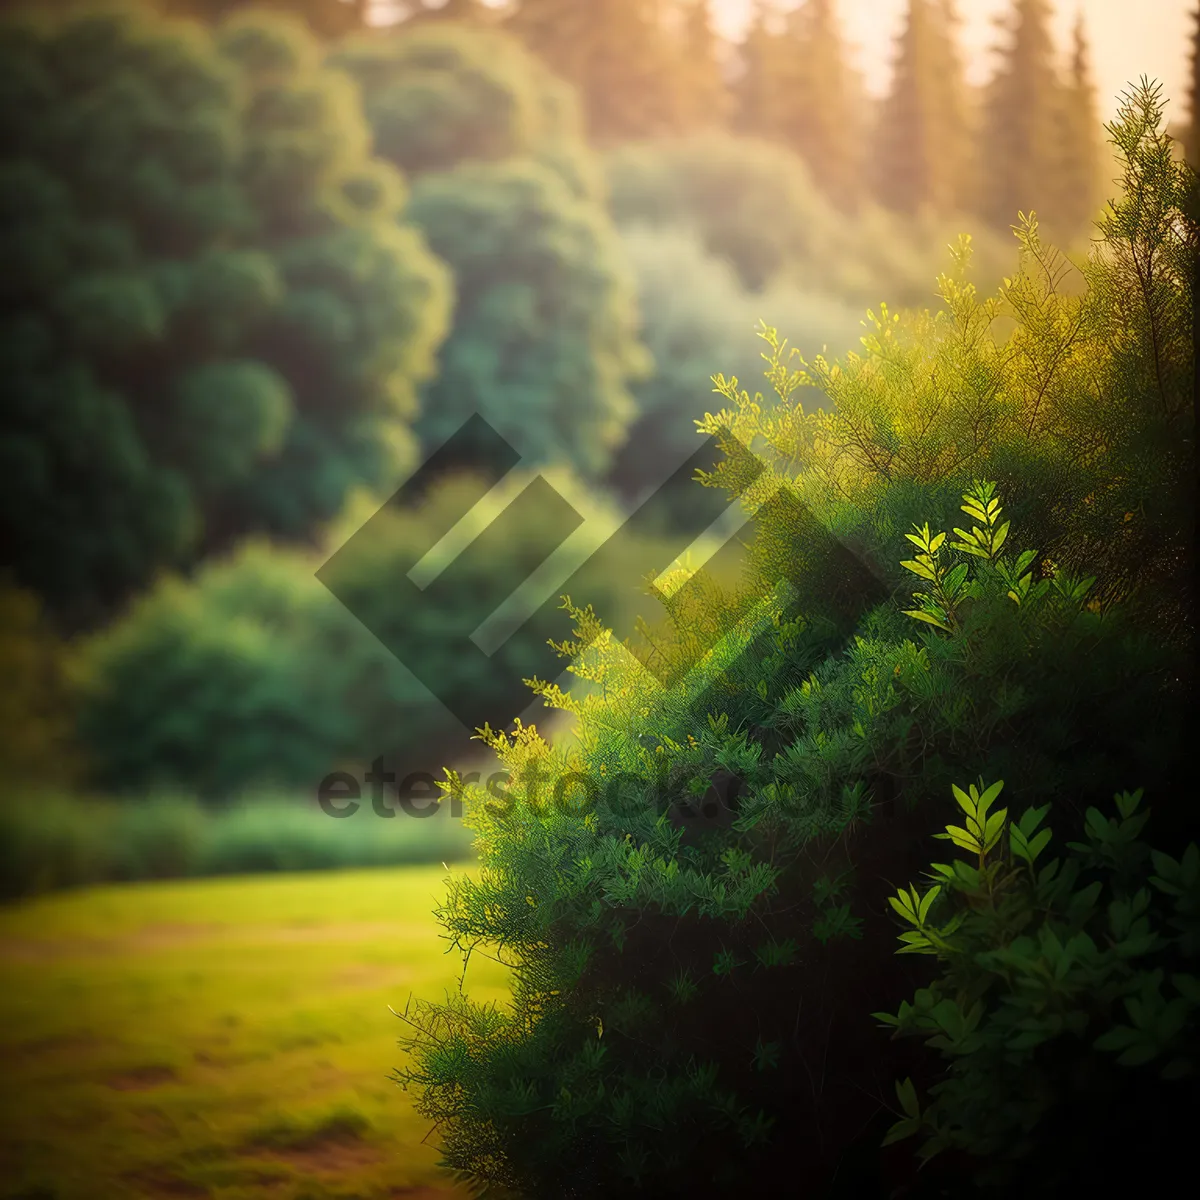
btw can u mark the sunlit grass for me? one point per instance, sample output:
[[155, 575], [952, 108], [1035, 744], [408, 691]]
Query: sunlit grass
[[227, 1038]]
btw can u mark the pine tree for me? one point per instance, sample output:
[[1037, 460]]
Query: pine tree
[[921, 136], [702, 99], [819, 113], [1019, 151], [759, 86], [1078, 182], [615, 52]]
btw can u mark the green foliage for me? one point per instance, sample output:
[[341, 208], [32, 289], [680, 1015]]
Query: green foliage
[[1053, 994], [253, 673], [579, 902], [437, 96], [544, 342], [708, 975], [757, 205], [211, 321], [35, 708], [51, 841], [1077, 401], [695, 312]]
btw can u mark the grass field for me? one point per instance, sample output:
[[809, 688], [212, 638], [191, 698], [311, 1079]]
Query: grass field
[[226, 1038]]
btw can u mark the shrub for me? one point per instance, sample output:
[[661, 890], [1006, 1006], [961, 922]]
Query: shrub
[[1053, 1009], [696, 952], [255, 674]]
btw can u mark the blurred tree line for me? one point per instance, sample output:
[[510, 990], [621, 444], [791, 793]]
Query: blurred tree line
[[263, 258]]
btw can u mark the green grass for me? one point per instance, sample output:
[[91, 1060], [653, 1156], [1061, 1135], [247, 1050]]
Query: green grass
[[226, 1038]]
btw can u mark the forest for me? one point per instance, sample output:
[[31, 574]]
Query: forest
[[713, 479]]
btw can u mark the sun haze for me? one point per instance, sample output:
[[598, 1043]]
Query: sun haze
[[1157, 44]]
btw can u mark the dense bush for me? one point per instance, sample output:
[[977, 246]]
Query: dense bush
[[696, 914], [211, 320], [755, 205], [544, 343], [255, 673], [50, 841], [1046, 960]]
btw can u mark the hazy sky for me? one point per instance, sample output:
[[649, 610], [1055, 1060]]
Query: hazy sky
[[1129, 38]]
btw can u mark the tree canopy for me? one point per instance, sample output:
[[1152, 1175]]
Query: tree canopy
[[213, 321], [544, 340]]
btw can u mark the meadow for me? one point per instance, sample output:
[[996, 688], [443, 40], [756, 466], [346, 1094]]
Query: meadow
[[225, 1038]]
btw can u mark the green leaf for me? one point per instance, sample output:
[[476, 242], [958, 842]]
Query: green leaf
[[901, 1130], [919, 568], [1000, 536], [954, 580], [994, 828], [964, 801], [907, 1095], [928, 618], [989, 796]]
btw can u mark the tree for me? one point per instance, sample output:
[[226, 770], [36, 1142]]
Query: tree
[[211, 320], [544, 342], [1020, 147], [921, 135], [1078, 180], [703, 100], [615, 52], [758, 89], [819, 109]]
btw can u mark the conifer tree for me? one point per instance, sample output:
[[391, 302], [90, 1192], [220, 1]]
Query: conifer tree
[[1078, 182], [759, 86], [819, 115], [615, 52], [702, 99], [921, 137], [1019, 149]]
